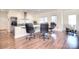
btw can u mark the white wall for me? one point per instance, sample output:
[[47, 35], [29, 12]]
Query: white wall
[[48, 15], [61, 15], [71, 12], [19, 15], [5, 17], [3, 20]]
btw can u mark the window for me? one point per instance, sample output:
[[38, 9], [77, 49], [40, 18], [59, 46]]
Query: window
[[72, 20], [54, 19], [43, 19]]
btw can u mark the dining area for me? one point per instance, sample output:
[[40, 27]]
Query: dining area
[[58, 40], [41, 36], [26, 29]]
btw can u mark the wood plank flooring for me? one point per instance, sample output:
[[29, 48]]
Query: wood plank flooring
[[8, 42]]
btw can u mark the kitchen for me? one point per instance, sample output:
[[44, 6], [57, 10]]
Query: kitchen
[[13, 23]]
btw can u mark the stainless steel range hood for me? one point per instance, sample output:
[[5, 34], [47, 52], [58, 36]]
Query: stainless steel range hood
[[25, 15]]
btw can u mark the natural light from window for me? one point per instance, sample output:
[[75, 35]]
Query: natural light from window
[[43, 20], [54, 19], [72, 20]]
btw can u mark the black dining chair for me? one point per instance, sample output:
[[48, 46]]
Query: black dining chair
[[52, 26], [30, 30], [44, 30]]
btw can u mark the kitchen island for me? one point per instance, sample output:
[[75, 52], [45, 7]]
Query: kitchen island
[[20, 31]]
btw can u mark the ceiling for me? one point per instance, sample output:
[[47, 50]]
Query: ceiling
[[38, 10], [30, 10]]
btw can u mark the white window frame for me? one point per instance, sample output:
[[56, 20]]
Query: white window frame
[[72, 20], [54, 18]]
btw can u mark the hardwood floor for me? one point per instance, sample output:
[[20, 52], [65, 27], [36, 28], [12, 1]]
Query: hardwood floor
[[8, 42]]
